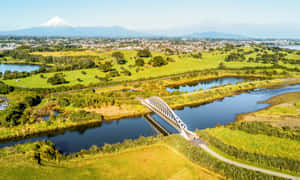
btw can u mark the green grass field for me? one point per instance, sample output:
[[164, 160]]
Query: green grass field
[[183, 63], [260, 144], [153, 162]]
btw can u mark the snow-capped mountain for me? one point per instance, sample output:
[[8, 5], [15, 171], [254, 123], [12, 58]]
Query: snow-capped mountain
[[57, 27], [55, 22]]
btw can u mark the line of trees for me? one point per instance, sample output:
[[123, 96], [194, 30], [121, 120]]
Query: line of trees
[[61, 63], [260, 58]]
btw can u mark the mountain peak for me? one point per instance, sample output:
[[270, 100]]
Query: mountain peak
[[55, 22]]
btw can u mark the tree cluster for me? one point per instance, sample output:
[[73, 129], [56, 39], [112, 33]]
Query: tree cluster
[[58, 78], [144, 53], [158, 61]]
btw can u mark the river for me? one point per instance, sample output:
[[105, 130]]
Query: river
[[206, 84], [199, 117]]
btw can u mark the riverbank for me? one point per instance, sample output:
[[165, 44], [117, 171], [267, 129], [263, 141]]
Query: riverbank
[[193, 99], [284, 111], [209, 95], [178, 101], [187, 81], [265, 138]]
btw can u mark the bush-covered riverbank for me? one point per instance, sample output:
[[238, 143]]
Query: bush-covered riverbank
[[175, 101]]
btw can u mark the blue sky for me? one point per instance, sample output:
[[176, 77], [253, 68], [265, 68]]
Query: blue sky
[[218, 15]]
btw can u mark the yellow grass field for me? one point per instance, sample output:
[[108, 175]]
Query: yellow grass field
[[153, 162]]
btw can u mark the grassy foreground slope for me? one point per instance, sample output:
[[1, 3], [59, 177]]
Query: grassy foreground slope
[[260, 144], [152, 162], [265, 151]]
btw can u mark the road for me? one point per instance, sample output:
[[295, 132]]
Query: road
[[205, 147]]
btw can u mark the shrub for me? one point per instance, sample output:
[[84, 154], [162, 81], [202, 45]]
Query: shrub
[[139, 62], [12, 115], [5, 89], [58, 78], [114, 74], [32, 100], [107, 66], [158, 61], [144, 53], [83, 115], [120, 58]]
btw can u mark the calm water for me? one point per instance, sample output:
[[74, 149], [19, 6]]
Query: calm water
[[296, 47], [18, 67], [47, 117], [206, 84], [200, 117], [3, 103]]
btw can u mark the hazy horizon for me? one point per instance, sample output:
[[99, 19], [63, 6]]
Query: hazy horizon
[[263, 18]]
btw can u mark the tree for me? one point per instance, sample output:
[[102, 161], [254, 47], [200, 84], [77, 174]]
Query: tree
[[5, 89], [114, 73], [42, 69], [32, 100], [107, 66], [11, 116], [222, 65], [169, 51], [158, 61], [58, 78], [126, 72], [139, 62], [197, 56], [120, 58], [144, 53], [86, 63]]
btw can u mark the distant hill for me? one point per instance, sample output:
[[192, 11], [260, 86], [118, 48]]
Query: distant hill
[[106, 32], [69, 31], [58, 27], [215, 35]]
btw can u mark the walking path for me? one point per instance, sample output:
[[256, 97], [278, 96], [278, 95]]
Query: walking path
[[199, 142]]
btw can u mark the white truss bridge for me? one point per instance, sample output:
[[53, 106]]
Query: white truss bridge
[[161, 108]]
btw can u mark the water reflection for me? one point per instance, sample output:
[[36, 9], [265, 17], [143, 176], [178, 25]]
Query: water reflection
[[205, 84]]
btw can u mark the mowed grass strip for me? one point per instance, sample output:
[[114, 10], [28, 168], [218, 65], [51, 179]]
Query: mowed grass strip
[[261, 144], [153, 162]]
